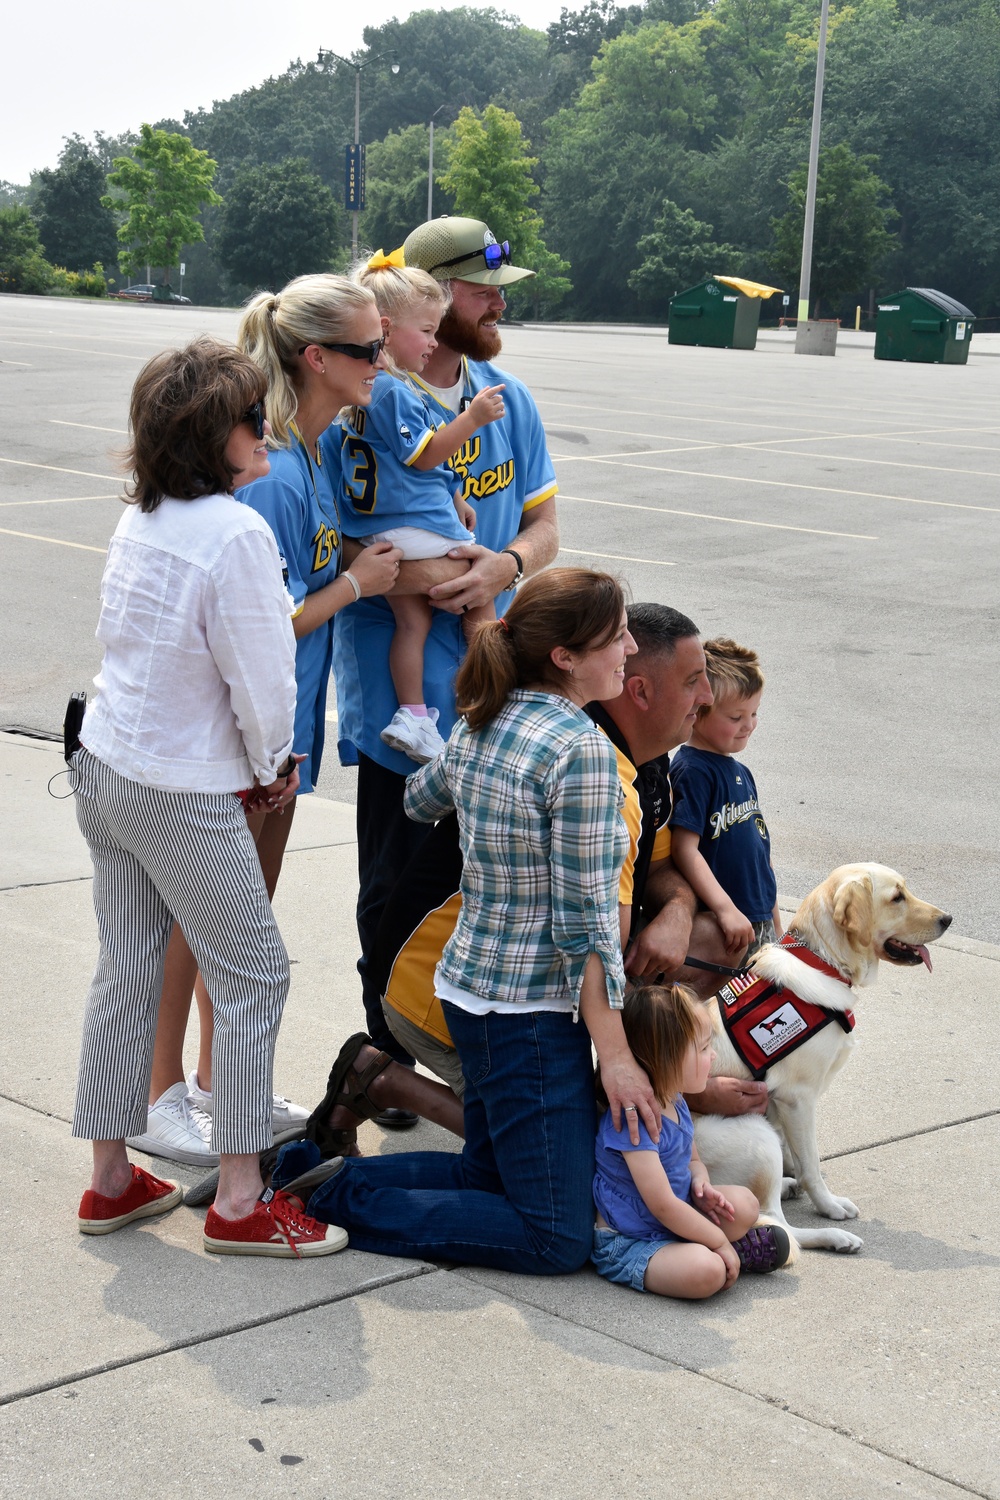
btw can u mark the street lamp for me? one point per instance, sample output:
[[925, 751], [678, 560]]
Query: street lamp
[[430, 163], [357, 66], [805, 273]]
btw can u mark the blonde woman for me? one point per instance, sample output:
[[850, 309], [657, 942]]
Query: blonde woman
[[318, 344]]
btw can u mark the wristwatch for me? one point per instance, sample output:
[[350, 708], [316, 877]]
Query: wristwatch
[[509, 551], [286, 770]]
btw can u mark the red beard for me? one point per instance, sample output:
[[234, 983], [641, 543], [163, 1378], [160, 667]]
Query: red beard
[[468, 338]]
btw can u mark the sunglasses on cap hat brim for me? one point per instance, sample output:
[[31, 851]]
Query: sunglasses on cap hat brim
[[469, 266]]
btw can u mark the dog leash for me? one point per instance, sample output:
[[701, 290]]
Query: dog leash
[[702, 963]]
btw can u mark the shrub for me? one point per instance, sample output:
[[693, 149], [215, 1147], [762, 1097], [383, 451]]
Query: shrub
[[78, 283], [23, 268]]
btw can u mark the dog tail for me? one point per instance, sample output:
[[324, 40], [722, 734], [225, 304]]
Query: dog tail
[[794, 1249]]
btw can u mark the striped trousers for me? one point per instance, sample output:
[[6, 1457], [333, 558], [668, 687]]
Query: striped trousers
[[160, 856]]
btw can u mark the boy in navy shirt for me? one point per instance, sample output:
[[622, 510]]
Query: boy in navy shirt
[[719, 840]]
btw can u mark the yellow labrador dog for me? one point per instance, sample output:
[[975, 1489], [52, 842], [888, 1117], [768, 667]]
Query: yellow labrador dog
[[859, 915]]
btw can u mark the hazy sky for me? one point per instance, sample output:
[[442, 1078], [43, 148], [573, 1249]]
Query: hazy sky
[[64, 71]]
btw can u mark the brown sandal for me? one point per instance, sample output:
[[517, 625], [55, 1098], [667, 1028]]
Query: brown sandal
[[336, 1142]]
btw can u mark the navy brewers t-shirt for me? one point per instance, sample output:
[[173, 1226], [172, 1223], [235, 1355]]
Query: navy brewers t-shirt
[[715, 797]]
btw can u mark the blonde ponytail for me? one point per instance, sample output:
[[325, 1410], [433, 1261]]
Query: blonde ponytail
[[276, 325]]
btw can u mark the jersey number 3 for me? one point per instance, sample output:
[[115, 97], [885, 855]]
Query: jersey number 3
[[361, 475]]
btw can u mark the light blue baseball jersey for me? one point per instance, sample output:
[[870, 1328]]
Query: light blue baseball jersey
[[380, 445], [504, 470], [298, 500]]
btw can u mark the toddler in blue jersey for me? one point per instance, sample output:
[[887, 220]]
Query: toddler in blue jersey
[[661, 1225], [398, 486], [719, 840]]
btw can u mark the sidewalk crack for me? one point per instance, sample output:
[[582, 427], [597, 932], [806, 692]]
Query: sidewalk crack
[[739, 1390], [198, 1340]]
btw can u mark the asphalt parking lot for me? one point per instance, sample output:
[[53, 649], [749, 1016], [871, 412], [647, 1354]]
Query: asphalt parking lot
[[840, 515], [836, 514]]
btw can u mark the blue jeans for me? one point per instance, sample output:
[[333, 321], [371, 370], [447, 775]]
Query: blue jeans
[[520, 1195]]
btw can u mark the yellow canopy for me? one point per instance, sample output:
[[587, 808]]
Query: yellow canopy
[[750, 288]]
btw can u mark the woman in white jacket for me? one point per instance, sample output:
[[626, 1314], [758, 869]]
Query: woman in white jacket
[[195, 703]]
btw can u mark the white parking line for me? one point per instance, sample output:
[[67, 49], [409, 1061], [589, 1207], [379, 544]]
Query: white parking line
[[57, 500], [56, 541], [656, 562], [888, 463], [56, 469], [699, 515], [821, 489], [122, 432]]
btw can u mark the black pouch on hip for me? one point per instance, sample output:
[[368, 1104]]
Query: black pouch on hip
[[75, 710]]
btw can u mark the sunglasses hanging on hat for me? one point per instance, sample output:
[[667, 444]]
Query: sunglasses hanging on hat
[[494, 255]]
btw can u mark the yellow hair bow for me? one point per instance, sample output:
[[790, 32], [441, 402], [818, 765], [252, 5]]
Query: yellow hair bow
[[380, 262]]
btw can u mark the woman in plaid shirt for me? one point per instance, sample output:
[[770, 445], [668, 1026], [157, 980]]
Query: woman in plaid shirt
[[536, 949]]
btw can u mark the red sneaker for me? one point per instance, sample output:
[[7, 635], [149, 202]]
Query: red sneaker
[[278, 1227], [145, 1197]]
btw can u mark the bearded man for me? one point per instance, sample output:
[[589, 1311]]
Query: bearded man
[[506, 475]]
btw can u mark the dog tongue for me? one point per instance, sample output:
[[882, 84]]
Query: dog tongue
[[924, 957]]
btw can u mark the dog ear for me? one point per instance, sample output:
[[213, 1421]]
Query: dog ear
[[854, 911]]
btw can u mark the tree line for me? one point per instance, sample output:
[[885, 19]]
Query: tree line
[[626, 153]]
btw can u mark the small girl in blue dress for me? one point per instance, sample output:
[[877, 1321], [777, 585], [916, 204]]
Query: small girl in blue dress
[[399, 485], [661, 1225]]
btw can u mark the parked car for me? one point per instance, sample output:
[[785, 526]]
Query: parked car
[[141, 292], [145, 291]]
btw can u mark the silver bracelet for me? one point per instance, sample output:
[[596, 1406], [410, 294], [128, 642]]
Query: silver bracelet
[[355, 585]]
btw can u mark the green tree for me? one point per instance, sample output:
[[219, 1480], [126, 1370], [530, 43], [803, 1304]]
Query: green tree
[[466, 57], [922, 90], [851, 238], [397, 184], [160, 189], [490, 177], [76, 228], [678, 253], [626, 144], [277, 222], [23, 268]]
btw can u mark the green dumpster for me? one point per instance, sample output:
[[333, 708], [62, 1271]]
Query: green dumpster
[[720, 313], [162, 293], [925, 326]]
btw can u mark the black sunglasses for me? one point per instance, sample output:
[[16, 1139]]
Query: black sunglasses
[[495, 256], [255, 416], [370, 352]]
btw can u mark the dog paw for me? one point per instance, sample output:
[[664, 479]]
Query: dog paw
[[845, 1243], [836, 1208], [789, 1187]]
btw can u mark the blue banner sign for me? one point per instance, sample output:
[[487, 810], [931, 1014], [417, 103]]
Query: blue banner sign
[[354, 178]]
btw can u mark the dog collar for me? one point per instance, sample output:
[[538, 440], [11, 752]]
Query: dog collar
[[805, 954]]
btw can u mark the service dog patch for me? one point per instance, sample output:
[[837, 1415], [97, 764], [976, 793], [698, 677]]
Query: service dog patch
[[766, 1022]]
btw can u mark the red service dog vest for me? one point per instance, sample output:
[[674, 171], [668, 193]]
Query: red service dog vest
[[766, 1022]]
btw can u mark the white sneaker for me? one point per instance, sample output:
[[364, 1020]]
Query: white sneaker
[[284, 1114], [178, 1130], [417, 738]]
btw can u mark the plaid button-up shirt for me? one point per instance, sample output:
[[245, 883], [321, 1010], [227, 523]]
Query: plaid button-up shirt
[[538, 796]]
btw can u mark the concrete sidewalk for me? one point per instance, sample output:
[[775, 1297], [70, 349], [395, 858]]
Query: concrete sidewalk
[[136, 1365]]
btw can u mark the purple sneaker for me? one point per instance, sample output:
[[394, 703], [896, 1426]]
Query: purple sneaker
[[766, 1247]]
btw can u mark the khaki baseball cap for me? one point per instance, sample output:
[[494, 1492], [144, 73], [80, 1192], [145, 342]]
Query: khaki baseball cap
[[461, 249]]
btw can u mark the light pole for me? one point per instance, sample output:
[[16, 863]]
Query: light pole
[[357, 66], [430, 164], [805, 274]]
